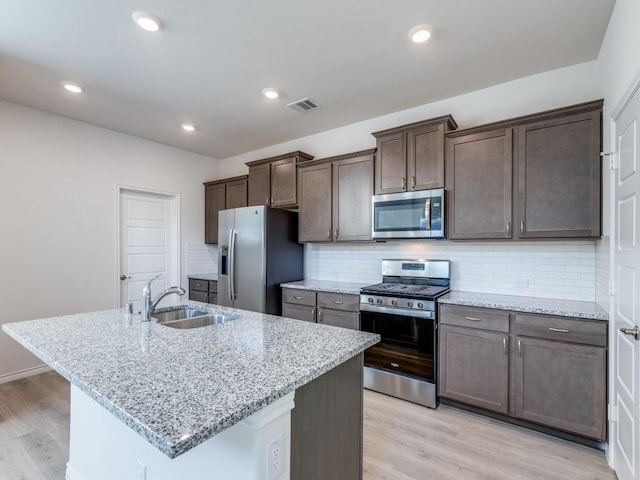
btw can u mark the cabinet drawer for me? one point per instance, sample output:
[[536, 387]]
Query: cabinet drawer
[[480, 318], [213, 286], [563, 329], [199, 296], [300, 297], [197, 284], [339, 301], [299, 312]]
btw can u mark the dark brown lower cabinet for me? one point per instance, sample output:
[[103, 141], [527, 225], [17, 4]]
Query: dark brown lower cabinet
[[339, 318], [326, 425], [562, 385], [536, 370], [474, 367], [299, 312]]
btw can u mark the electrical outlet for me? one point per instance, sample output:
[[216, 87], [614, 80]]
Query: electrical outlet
[[275, 458]]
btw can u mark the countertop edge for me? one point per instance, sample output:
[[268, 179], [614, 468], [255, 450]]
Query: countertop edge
[[328, 286]]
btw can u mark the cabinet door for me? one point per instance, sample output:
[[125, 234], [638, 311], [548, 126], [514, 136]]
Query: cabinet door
[[559, 176], [352, 190], [562, 385], [283, 183], [260, 185], [314, 217], [474, 367], [299, 312], [479, 169], [237, 193], [198, 296], [391, 164], [425, 158], [339, 318], [214, 201]]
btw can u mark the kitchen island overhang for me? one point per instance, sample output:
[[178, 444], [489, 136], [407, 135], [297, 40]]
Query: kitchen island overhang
[[179, 388]]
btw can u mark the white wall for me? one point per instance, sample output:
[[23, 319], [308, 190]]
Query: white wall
[[542, 269], [619, 71], [58, 216]]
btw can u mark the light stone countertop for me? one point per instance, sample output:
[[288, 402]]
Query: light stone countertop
[[204, 276], [547, 306], [327, 286], [177, 388]]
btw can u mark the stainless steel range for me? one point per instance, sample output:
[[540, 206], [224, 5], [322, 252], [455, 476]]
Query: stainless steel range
[[402, 309]]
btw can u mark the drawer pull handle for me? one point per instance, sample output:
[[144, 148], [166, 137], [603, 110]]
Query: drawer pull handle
[[297, 297], [338, 302], [395, 365], [560, 330], [473, 319]]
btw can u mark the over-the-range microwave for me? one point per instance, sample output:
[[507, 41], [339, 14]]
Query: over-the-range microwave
[[408, 215]]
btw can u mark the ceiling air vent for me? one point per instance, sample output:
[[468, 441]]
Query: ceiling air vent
[[303, 105]]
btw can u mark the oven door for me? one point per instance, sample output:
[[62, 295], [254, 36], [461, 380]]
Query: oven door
[[407, 346]]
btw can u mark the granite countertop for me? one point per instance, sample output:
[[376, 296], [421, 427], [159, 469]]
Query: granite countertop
[[326, 286], [177, 388], [204, 276], [547, 306]]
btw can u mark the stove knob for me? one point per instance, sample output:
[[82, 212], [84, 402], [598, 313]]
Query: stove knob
[[379, 301], [409, 304], [394, 302], [420, 305], [370, 300]]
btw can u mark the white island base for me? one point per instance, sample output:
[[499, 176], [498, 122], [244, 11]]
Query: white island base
[[102, 447]]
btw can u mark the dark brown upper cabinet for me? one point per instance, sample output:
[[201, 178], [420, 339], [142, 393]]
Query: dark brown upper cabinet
[[479, 183], [335, 198], [411, 157], [220, 195], [537, 176], [273, 181]]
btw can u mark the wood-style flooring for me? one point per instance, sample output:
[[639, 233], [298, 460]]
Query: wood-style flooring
[[402, 441]]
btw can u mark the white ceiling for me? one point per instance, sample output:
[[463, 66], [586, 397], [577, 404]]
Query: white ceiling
[[213, 58]]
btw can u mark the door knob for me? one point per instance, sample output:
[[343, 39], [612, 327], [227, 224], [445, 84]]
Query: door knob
[[634, 332], [124, 277]]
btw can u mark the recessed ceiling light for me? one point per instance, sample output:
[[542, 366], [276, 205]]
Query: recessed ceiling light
[[188, 127], [420, 34], [146, 21], [72, 87], [271, 93]]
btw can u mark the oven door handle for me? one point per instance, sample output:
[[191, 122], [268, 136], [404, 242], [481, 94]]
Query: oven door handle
[[426, 315]]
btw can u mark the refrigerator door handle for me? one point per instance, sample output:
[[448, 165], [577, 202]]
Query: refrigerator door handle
[[232, 264]]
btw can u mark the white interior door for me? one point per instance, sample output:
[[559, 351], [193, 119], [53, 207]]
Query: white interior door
[[624, 437], [148, 243]]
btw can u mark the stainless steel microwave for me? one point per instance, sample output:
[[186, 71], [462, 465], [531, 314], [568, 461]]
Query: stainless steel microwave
[[408, 215]]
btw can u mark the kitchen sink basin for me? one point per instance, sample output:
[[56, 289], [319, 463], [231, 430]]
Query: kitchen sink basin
[[192, 318], [178, 314]]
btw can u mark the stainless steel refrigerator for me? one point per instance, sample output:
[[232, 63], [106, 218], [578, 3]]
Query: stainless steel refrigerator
[[258, 250]]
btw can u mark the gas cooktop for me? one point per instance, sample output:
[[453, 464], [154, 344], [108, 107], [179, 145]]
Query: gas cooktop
[[428, 292]]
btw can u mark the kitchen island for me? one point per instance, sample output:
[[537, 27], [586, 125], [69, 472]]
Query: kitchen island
[[149, 401]]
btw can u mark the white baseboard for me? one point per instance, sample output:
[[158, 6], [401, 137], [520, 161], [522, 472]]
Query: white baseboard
[[24, 373]]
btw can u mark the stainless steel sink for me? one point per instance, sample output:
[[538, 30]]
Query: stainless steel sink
[[178, 314], [192, 318]]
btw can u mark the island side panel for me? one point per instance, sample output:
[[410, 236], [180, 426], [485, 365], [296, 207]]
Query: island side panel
[[326, 425]]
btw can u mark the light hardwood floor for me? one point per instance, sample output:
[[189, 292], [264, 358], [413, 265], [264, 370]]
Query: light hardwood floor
[[402, 441]]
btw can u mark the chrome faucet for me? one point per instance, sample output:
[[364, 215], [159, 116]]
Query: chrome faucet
[[148, 305]]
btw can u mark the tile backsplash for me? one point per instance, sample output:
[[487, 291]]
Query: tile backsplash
[[562, 269], [201, 258]]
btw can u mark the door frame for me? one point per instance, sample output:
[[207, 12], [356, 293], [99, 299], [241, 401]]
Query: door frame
[[174, 209], [612, 416]]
